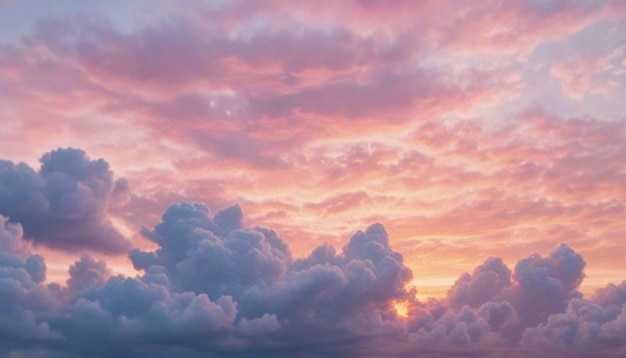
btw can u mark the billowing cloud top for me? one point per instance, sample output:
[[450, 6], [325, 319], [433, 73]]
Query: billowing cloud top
[[216, 288], [63, 205]]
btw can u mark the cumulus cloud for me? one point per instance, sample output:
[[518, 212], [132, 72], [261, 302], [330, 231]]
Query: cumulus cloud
[[227, 286], [611, 294], [24, 298], [217, 257], [544, 285], [538, 287], [86, 273], [584, 329], [482, 285], [492, 306], [63, 204], [216, 288]]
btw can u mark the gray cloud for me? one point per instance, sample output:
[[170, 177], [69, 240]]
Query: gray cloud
[[216, 288], [63, 204], [584, 329], [611, 294], [484, 284], [23, 297]]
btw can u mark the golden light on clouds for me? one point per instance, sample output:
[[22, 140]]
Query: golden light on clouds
[[402, 308]]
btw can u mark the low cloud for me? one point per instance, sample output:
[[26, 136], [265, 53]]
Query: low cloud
[[63, 204], [216, 288]]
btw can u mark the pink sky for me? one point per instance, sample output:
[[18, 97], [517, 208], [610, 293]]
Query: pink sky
[[468, 129]]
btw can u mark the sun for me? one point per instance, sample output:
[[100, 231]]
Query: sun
[[402, 308]]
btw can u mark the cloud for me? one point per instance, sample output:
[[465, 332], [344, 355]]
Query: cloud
[[86, 273], [467, 328], [213, 279], [215, 256], [539, 286], [487, 280], [544, 285], [24, 298], [611, 295], [213, 287], [583, 329], [63, 204], [491, 306], [594, 75]]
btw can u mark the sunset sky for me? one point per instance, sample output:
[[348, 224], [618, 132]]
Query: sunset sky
[[460, 137]]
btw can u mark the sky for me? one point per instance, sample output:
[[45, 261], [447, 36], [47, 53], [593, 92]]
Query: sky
[[313, 178]]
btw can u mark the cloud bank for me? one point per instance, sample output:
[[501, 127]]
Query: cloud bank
[[214, 287]]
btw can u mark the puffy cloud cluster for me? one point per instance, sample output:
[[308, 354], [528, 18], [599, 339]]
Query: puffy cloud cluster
[[545, 285], [216, 257], [212, 287], [482, 285], [611, 294], [216, 288], [63, 204], [584, 329], [493, 306], [538, 286], [23, 298]]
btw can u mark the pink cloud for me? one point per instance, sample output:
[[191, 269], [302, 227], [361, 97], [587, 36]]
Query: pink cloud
[[591, 76]]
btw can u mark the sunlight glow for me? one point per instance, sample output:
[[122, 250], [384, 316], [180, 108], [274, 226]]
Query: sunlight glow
[[402, 308]]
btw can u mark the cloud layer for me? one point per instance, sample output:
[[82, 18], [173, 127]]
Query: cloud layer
[[216, 288]]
